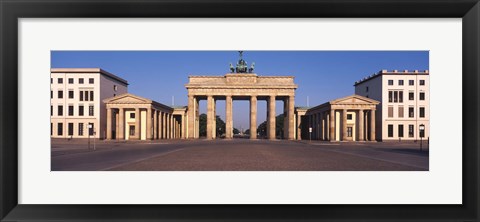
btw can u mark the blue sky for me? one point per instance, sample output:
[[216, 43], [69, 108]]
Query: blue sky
[[321, 75]]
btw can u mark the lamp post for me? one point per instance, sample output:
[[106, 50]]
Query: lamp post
[[422, 132], [89, 126]]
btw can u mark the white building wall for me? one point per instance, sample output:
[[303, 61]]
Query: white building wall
[[102, 88], [379, 90]]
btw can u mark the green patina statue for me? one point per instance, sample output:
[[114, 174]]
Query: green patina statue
[[242, 66]]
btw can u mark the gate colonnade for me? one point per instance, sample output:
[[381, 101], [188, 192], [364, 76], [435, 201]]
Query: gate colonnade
[[240, 86]]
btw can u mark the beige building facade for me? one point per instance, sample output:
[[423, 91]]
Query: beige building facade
[[131, 117], [404, 103], [76, 96], [240, 86], [349, 118]]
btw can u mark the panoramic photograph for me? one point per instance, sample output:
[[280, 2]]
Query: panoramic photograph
[[239, 110]]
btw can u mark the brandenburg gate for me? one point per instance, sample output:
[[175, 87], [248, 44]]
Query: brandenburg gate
[[240, 84]]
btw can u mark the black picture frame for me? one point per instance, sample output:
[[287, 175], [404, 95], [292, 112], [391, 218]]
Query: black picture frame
[[11, 11]]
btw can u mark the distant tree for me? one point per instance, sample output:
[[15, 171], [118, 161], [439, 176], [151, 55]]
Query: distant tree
[[247, 132], [236, 131], [220, 125], [262, 128]]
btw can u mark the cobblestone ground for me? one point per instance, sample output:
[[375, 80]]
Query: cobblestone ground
[[238, 155]]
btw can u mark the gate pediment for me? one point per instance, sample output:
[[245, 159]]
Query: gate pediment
[[127, 99]]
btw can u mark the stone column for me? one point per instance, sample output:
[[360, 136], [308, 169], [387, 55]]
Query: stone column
[[109, 123], [164, 125], [299, 127], [209, 117], [285, 118], [182, 130], [327, 126], [291, 118], [344, 125], [121, 123], [149, 123], [191, 117], [214, 116], [171, 126], [155, 124], [271, 118], [332, 125], [137, 123], [116, 124], [360, 125], [228, 117], [372, 125], [253, 117]]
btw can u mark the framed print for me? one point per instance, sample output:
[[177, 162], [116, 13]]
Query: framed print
[[227, 110]]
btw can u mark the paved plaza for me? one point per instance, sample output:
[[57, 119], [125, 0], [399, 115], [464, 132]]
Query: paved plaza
[[237, 155]]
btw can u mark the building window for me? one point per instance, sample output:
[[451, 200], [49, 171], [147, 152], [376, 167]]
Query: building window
[[81, 95], [51, 80], [400, 82], [422, 82], [51, 110], [390, 112], [411, 112], [395, 96], [80, 110], [349, 117], [115, 88], [400, 130], [60, 80], [410, 130], [132, 115], [91, 95], [422, 133], [70, 110], [60, 129], [70, 80], [400, 111], [390, 130], [90, 80], [86, 95], [390, 82], [70, 94], [70, 129], [51, 129], [91, 129], [132, 130], [400, 96], [80, 81], [349, 131], [411, 82], [80, 129], [422, 112], [60, 110], [411, 96], [90, 110], [51, 94], [390, 96], [60, 94], [422, 96], [366, 89]]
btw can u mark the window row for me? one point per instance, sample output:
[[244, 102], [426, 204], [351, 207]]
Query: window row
[[70, 129], [400, 131], [397, 96], [85, 95], [410, 82], [71, 111], [72, 80], [411, 112]]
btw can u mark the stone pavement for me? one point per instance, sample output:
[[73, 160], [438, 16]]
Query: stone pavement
[[238, 155]]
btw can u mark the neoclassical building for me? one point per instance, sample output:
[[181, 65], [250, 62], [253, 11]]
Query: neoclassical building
[[76, 95], [131, 117], [404, 109], [350, 118], [240, 84]]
